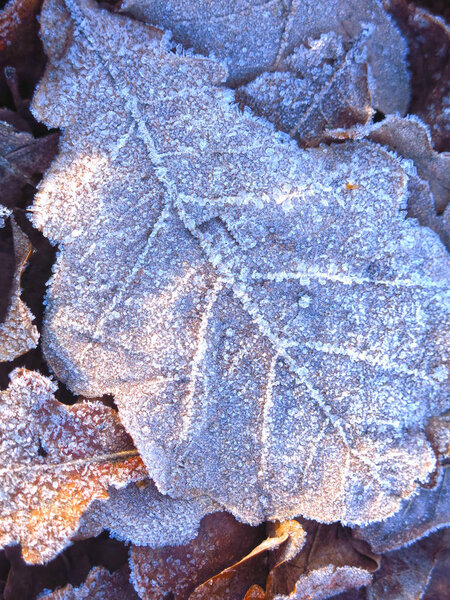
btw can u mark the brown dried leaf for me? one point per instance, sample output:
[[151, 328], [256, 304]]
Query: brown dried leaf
[[253, 37], [99, 585], [23, 159], [56, 461], [407, 574], [331, 562], [319, 86], [221, 541], [271, 326], [285, 540], [17, 332]]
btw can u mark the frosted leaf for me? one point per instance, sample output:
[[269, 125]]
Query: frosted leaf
[[142, 515], [411, 138], [271, 326], [99, 585], [331, 561], [221, 542], [317, 87], [17, 332], [252, 37], [408, 573], [56, 460]]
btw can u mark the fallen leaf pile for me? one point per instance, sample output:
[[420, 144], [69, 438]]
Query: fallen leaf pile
[[239, 369]]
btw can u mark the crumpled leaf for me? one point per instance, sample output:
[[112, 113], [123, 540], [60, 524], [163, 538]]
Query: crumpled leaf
[[140, 514], [17, 332], [269, 323], [428, 38], [332, 561], [285, 540], [57, 459], [408, 573], [22, 158], [319, 86], [252, 37], [221, 542], [100, 584], [411, 138]]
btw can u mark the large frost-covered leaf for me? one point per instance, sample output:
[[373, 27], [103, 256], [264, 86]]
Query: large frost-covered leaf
[[255, 36], [271, 326], [55, 461]]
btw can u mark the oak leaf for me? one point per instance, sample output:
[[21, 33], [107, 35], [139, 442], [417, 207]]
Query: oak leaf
[[270, 325], [55, 461], [17, 332], [253, 37]]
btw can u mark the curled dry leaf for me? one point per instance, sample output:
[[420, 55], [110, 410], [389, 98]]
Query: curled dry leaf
[[271, 326], [22, 159], [252, 37], [99, 585], [285, 539], [56, 461], [17, 332], [332, 561], [140, 514], [221, 542], [319, 86]]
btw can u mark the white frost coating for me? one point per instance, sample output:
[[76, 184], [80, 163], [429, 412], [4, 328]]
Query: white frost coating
[[255, 36], [163, 301]]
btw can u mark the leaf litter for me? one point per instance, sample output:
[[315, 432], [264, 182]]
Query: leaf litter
[[211, 227]]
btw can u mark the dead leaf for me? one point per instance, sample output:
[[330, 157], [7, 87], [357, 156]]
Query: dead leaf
[[253, 37], [319, 86], [8, 262], [408, 573], [270, 325], [221, 541], [331, 562], [23, 159], [285, 540], [100, 584], [140, 514], [17, 332], [410, 137], [57, 459]]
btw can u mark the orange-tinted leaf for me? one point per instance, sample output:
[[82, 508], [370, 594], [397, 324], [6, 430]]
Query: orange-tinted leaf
[[55, 461], [331, 560], [99, 585], [255, 593], [286, 537], [221, 541], [17, 332]]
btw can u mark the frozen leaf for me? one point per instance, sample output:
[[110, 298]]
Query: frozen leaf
[[221, 541], [407, 573], [410, 137], [271, 326], [140, 514], [318, 86], [420, 515], [55, 461], [331, 562], [22, 159], [285, 540], [7, 260], [252, 37], [100, 584], [17, 332]]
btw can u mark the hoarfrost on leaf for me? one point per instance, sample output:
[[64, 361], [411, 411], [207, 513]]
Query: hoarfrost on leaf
[[253, 37], [55, 461], [17, 332], [272, 328]]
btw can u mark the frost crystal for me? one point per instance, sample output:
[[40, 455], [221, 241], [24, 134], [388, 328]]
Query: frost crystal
[[271, 326]]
